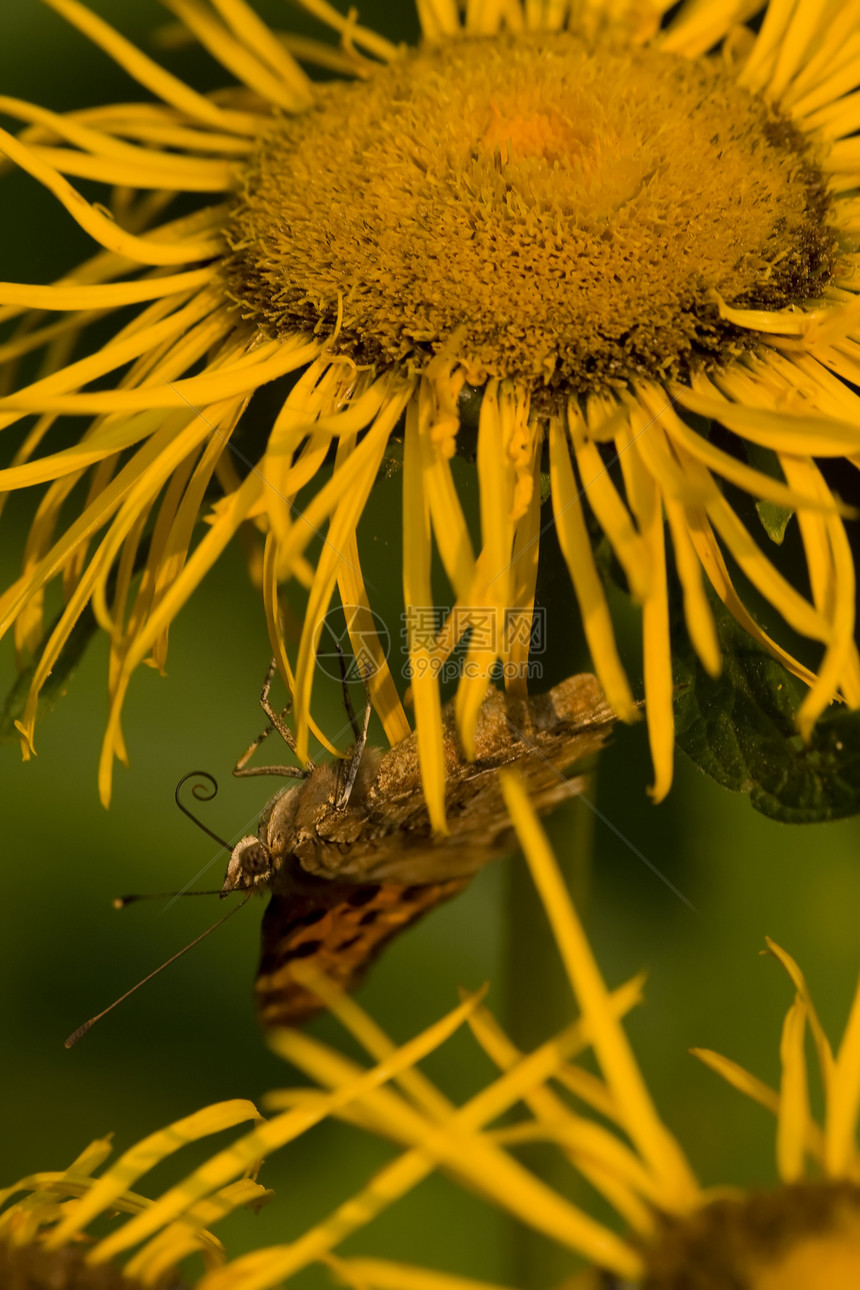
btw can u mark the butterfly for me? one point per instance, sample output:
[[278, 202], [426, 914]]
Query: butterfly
[[348, 856]]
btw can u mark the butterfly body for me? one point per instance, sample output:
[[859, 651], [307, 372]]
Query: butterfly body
[[346, 876]]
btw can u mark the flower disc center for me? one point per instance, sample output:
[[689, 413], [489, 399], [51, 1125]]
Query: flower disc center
[[564, 215], [805, 1236]]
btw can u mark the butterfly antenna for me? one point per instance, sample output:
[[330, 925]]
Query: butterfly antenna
[[120, 902], [88, 1025], [201, 793]]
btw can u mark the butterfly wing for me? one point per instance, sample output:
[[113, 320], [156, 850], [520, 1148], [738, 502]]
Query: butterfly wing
[[388, 830], [353, 878], [338, 928]]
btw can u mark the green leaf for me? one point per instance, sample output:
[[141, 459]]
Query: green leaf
[[740, 729], [774, 518]]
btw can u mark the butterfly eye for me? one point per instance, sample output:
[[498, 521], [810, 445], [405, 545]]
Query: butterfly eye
[[255, 860]]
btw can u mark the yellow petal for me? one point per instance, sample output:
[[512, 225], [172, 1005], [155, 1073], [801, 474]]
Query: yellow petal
[[438, 18], [354, 475], [230, 516], [697, 611], [162, 84], [142, 1157], [645, 495], [108, 296], [609, 509], [241, 61], [843, 1100], [269, 1136], [417, 594], [576, 548], [793, 1123], [381, 1274], [653, 1141], [143, 250], [822, 1043]]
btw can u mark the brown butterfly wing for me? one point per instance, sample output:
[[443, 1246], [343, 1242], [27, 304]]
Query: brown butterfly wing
[[388, 828], [361, 875], [337, 927]]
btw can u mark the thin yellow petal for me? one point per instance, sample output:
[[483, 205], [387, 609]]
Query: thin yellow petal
[[524, 572], [771, 322], [449, 523], [368, 39], [373, 1039], [782, 430], [697, 611], [822, 1043], [316, 391], [172, 534], [438, 18], [762, 57], [700, 27], [843, 1101], [645, 496], [109, 296], [483, 17], [548, 1107], [470, 1154], [490, 595], [272, 1134], [163, 1253], [231, 515], [708, 551], [162, 84], [93, 518], [248, 27], [130, 344], [142, 1157], [838, 43], [197, 176], [381, 1274], [273, 359], [609, 509], [750, 1085], [272, 607], [831, 570], [143, 250], [759, 485], [366, 645], [653, 1141], [357, 471], [575, 546], [755, 1089], [793, 1121], [357, 415], [417, 593], [152, 470], [793, 607], [239, 60]]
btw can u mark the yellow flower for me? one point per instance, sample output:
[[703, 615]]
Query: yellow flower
[[45, 1237], [583, 224], [804, 1235]]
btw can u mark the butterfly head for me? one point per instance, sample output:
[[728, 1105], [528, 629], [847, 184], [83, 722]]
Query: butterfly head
[[251, 867]]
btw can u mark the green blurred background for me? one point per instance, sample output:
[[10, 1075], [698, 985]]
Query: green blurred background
[[190, 1037]]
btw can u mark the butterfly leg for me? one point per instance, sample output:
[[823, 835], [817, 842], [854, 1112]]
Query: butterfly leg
[[355, 758], [276, 722]]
